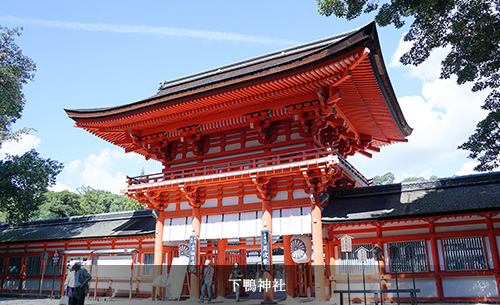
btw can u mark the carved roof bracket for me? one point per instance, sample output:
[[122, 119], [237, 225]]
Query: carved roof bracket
[[262, 123], [192, 134], [194, 195], [266, 189], [152, 199], [311, 116], [156, 145]]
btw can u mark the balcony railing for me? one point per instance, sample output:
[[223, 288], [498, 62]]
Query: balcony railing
[[241, 165]]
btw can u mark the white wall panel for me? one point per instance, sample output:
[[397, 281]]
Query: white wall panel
[[230, 226], [474, 286]]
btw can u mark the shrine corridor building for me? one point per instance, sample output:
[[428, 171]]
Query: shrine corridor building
[[254, 159]]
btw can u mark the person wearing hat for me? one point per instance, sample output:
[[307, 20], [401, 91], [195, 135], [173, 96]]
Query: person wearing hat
[[206, 282], [236, 275], [82, 279]]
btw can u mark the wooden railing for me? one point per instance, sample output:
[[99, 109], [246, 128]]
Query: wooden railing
[[238, 165]]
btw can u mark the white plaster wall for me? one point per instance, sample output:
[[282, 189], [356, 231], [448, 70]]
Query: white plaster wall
[[11, 284], [47, 284], [489, 255], [210, 203], [477, 286], [170, 207], [230, 200], [184, 205], [357, 285], [251, 199], [280, 196], [32, 284], [213, 150], [405, 232], [299, 194], [232, 146], [295, 136], [281, 138], [472, 227], [252, 143], [427, 287]]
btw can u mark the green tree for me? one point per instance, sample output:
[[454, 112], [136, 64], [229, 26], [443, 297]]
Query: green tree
[[471, 31], [15, 70], [98, 201], [59, 204], [23, 181], [386, 178], [413, 179]]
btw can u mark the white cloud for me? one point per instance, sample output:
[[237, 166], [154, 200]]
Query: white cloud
[[428, 70], [105, 170], [59, 187], [468, 168], [443, 116], [26, 143], [151, 30]]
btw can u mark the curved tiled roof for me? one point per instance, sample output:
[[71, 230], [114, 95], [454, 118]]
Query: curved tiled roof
[[448, 196], [121, 224]]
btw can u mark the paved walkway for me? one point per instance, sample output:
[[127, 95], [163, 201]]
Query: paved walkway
[[218, 301]]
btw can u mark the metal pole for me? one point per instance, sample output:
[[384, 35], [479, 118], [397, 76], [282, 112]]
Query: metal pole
[[44, 266], [364, 282], [412, 272], [348, 282], [53, 282], [397, 286], [380, 283]]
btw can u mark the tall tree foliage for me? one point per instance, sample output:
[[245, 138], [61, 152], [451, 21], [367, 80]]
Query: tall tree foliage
[[386, 178], [87, 201], [59, 204], [471, 31], [16, 70], [23, 181]]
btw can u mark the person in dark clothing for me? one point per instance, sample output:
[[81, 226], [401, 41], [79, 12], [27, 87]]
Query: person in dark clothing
[[206, 282], [236, 276], [82, 279]]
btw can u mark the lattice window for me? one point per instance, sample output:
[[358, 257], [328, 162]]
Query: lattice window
[[51, 268], [148, 263], [464, 253], [410, 253], [33, 266], [355, 267], [95, 258], [14, 265]]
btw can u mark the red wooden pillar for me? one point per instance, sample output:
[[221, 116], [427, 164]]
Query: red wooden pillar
[[195, 279], [289, 267], [494, 248], [267, 224], [435, 260], [158, 254], [221, 267], [317, 239]]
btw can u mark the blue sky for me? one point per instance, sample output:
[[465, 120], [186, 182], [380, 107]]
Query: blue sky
[[105, 53]]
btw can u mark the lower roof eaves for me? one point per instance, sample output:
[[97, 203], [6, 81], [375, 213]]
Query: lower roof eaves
[[447, 196]]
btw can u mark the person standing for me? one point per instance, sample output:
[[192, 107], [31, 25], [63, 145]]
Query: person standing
[[206, 282], [69, 283], [82, 279], [236, 276]]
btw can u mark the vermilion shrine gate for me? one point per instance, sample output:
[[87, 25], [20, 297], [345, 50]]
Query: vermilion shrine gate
[[253, 145]]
